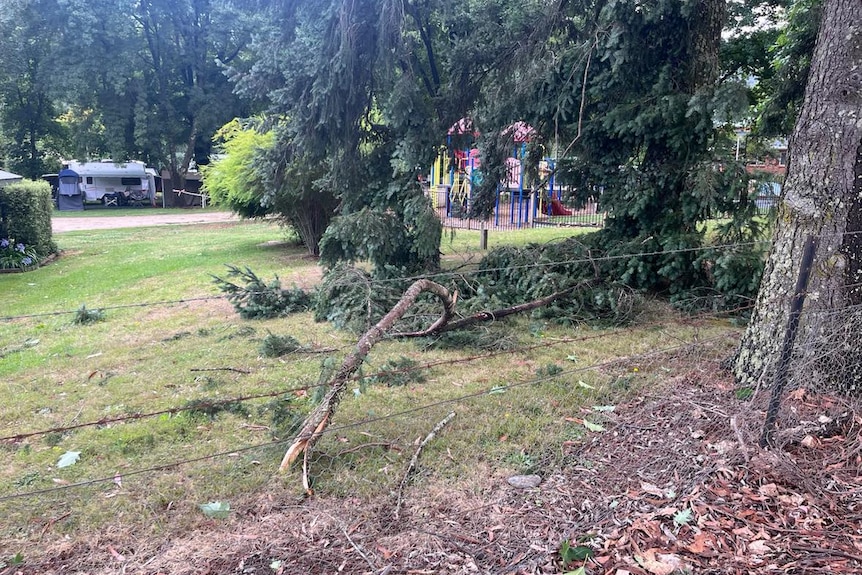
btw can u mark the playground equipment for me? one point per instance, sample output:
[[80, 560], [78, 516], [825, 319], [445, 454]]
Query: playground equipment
[[457, 171]]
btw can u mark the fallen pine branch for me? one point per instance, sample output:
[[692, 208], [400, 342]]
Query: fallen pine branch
[[319, 418], [415, 459], [484, 316]]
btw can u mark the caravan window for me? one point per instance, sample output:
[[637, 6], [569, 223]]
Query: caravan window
[[90, 180], [130, 181]]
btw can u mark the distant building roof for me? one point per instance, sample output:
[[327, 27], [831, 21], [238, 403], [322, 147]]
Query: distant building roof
[[9, 177]]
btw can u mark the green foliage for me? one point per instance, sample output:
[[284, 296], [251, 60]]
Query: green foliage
[[781, 92], [278, 345], [258, 299], [398, 372], [549, 370], [350, 298], [232, 180], [84, 316], [12, 561], [252, 179], [509, 276], [284, 415], [25, 215], [572, 551], [494, 337], [31, 139]]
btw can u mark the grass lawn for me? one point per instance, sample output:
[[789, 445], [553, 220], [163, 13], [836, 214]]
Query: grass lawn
[[513, 410]]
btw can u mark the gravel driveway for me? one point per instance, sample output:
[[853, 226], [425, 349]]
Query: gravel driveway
[[70, 224]]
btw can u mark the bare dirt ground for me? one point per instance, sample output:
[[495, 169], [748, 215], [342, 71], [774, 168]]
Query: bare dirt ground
[[675, 484], [183, 217]]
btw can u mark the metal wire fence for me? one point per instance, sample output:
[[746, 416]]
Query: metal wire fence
[[537, 406]]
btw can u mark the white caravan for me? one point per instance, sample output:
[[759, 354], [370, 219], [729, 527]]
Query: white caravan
[[116, 183]]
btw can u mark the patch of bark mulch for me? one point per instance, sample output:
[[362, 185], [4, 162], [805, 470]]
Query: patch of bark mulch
[[675, 483]]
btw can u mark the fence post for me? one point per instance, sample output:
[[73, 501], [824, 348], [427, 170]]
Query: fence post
[[783, 366], [483, 240]]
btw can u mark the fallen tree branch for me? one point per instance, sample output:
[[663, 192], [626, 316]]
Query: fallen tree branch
[[415, 459], [318, 419], [483, 316], [234, 369]]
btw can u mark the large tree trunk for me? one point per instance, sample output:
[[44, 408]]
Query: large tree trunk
[[822, 197]]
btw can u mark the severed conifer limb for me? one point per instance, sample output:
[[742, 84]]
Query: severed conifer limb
[[319, 418], [483, 316]]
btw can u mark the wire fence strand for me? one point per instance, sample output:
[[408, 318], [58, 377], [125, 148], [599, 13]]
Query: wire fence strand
[[336, 428]]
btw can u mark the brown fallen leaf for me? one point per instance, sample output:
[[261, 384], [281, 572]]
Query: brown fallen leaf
[[660, 563], [769, 490], [703, 544]]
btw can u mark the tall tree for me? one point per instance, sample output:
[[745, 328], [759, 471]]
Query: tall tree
[[34, 138], [368, 89], [822, 198], [627, 103], [149, 76]]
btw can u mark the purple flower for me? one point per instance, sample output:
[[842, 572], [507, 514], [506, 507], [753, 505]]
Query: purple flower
[[27, 261], [4, 243], [20, 248]]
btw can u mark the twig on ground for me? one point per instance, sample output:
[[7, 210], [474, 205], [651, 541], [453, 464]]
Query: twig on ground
[[385, 444], [234, 369], [415, 459], [358, 549]]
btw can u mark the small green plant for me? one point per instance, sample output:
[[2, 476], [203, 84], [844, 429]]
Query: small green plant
[[13, 561], [278, 345], [84, 316], [15, 255], [569, 552], [521, 461], [683, 517], [397, 373]]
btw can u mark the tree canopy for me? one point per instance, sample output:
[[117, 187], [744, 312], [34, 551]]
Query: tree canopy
[[118, 78]]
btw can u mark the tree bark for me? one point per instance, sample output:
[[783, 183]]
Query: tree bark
[[822, 197]]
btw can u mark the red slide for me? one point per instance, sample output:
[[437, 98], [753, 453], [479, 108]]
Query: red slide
[[557, 209]]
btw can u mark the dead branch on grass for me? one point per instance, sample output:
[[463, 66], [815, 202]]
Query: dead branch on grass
[[415, 459], [318, 419], [483, 316], [233, 369]]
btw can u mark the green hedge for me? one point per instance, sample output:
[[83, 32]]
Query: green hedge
[[25, 215]]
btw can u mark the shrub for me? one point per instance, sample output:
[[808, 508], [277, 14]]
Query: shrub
[[25, 215]]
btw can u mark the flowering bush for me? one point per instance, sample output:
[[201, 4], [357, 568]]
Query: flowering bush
[[15, 255]]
